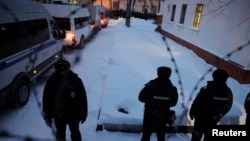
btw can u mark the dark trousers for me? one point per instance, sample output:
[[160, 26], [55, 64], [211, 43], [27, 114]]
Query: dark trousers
[[198, 132], [248, 120], [203, 128], [153, 122], [248, 124], [61, 124]]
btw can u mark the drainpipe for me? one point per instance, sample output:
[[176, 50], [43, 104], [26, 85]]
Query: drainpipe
[[159, 5]]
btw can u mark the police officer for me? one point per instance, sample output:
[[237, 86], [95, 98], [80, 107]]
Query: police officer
[[158, 95], [65, 101], [211, 103], [247, 109]]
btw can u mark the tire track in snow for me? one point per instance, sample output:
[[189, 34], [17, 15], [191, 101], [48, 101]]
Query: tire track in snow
[[97, 55]]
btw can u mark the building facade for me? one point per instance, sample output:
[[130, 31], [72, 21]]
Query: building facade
[[142, 6], [212, 29], [68, 1], [149, 6]]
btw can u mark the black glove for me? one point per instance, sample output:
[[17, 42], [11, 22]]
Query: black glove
[[48, 122], [171, 117], [218, 117], [82, 120], [191, 114]]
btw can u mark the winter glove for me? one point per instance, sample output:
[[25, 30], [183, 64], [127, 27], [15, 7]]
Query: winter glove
[[218, 117], [82, 120], [171, 117], [48, 122], [191, 115]]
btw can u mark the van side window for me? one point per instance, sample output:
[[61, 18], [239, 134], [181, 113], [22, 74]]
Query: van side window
[[81, 22], [63, 23], [55, 30], [18, 36]]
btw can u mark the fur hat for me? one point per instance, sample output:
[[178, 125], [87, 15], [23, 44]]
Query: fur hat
[[164, 72], [220, 75], [62, 65]]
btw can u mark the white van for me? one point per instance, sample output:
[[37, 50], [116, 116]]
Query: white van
[[74, 20], [30, 42], [97, 15]]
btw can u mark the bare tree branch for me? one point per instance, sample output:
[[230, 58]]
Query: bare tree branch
[[216, 8]]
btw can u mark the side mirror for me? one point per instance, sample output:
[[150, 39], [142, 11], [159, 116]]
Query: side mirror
[[63, 34], [92, 22]]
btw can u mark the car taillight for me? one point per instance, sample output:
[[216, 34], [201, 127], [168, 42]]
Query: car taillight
[[73, 37], [102, 22]]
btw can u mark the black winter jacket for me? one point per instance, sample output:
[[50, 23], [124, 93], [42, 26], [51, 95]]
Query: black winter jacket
[[212, 102], [159, 95], [65, 94], [247, 103]]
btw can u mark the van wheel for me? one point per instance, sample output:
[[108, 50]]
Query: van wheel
[[81, 44], [21, 93]]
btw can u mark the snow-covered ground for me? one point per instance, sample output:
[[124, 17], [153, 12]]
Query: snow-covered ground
[[114, 67]]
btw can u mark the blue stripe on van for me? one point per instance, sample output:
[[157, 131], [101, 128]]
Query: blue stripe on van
[[4, 64]]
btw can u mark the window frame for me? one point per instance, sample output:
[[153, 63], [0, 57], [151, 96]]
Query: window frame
[[173, 13], [197, 15], [183, 13], [19, 36]]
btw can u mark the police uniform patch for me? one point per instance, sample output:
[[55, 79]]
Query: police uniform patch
[[72, 95]]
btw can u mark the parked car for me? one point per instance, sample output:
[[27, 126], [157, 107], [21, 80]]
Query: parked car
[[104, 20], [97, 16], [74, 20], [30, 43]]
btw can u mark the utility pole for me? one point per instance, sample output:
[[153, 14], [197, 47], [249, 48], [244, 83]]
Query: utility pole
[[128, 13], [159, 5]]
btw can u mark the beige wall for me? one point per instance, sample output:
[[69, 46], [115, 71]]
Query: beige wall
[[69, 1], [110, 4], [221, 30], [152, 5]]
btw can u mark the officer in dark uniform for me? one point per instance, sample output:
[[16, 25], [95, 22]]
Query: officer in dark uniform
[[247, 109], [210, 105], [158, 95], [65, 101]]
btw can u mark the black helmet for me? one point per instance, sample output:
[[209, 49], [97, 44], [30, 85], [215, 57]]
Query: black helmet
[[62, 65], [164, 72], [220, 75]]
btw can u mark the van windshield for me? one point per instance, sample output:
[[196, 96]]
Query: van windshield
[[63, 23]]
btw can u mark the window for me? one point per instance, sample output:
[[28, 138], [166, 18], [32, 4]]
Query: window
[[197, 16], [81, 22], [19, 36], [63, 23], [173, 13], [183, 13], [55, 30], [115, 5]]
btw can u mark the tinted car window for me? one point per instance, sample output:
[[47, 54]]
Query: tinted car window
[[18, 36], [63, 23]]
